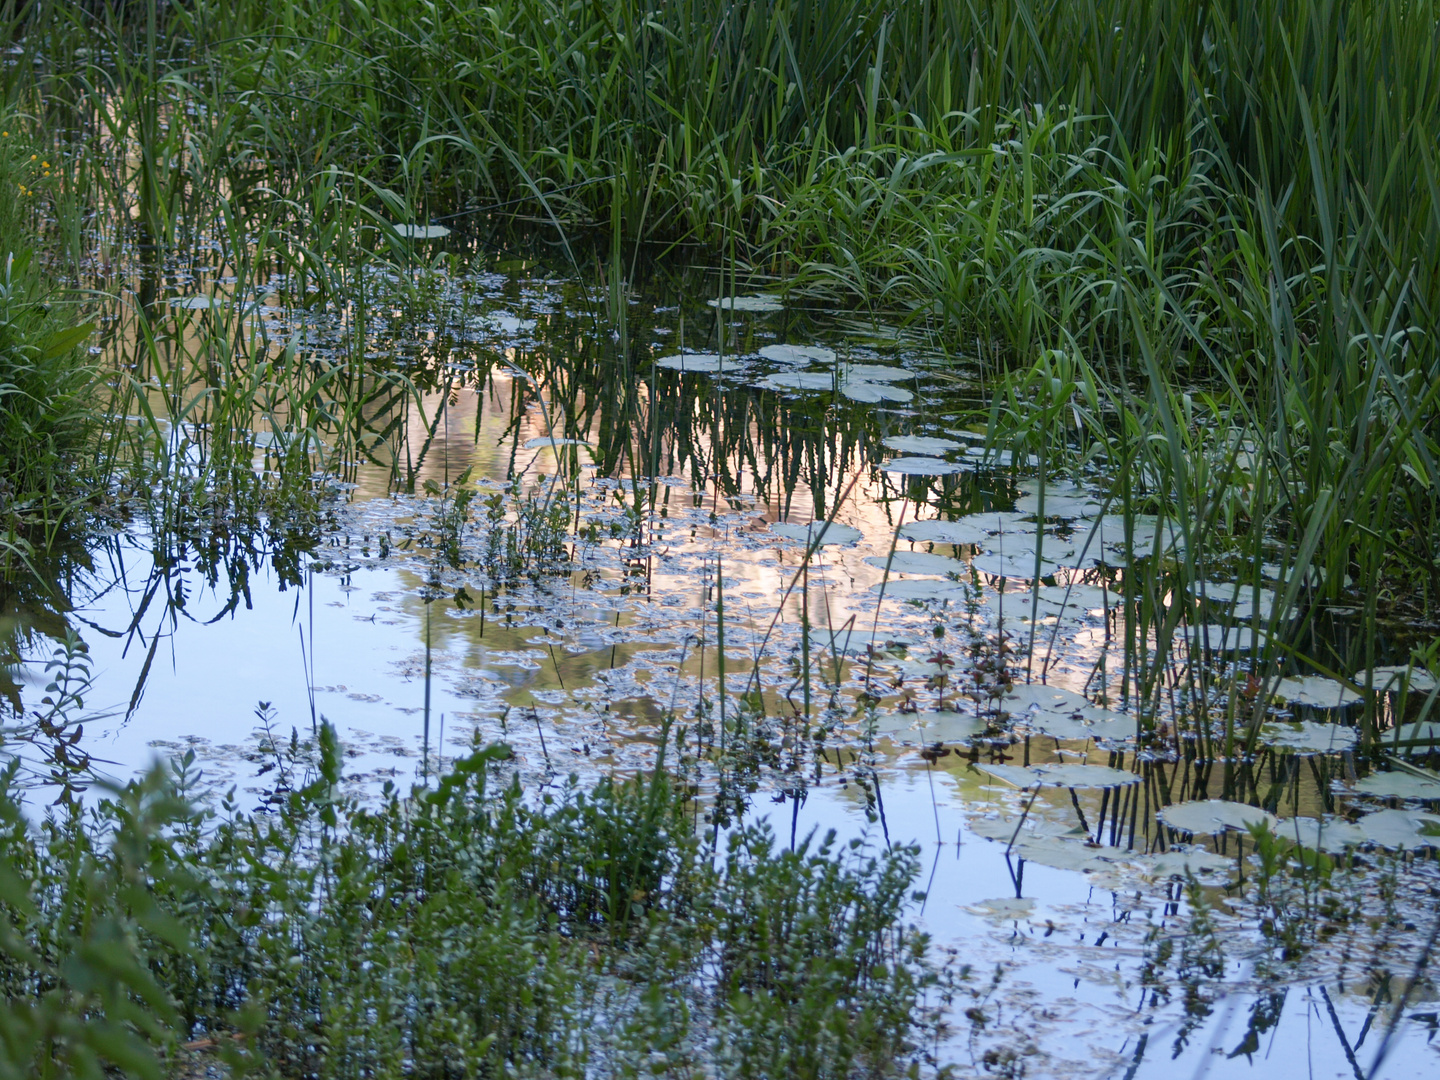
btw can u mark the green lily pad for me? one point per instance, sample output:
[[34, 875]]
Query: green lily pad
[[798, 354], [1066, 775], [1317, 692], [709, 363], [922, 466], [1400, 830], [1307, 738], [1209, 817], [917, 562], [943, 532], [1331, 835], [1399, 785], [747, 303], [422, 232], [828, 532], [921, 444]]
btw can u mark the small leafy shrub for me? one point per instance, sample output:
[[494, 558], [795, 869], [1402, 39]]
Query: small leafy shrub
[[473, 929]]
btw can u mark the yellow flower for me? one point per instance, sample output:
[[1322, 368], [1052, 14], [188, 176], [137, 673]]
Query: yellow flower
[[44, 164]]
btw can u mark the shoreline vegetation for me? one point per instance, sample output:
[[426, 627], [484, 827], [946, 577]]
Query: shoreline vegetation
[[1193, 244]]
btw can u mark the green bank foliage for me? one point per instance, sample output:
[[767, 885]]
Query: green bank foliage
[[48, 415], [472, 929], [1221, 216]]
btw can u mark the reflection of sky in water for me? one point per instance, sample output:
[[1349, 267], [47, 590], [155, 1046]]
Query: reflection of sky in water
[[578, 673]]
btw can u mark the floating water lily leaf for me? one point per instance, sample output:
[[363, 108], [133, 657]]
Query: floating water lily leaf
[[1066, 775], [1399, 785], [1040, 696], [1392, 678], [1014, 566], [422, 232], [798, 380], [704, 362], [1002, 458], [546, 440], [1146, 536], [874, 373], [920, 589], [1423, 733], [1401, 829], [1331, 835], [798, 354], [829, 533], [1207, 817], [1004, 907], [944, 532], [922, 466], [1061, 501], [747, 303], [1082, 725], [855, 640], [1307, 738], [872, 393], [917, 562], [921, 444], [1060, 599], [504, 323], [1003, 828], [936, 727], [1060, 853], [1222, 639], [1317, 691], [198, 303], [1178, 861]]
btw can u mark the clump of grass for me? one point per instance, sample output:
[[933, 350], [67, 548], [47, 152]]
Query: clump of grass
[[470, 929]]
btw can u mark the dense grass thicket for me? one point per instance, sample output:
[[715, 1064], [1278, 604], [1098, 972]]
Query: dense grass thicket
[[466, 930], [1207, 228]]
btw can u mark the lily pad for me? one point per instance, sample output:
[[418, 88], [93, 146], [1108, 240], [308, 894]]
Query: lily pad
[[1209, 817], [1040, 696], [1067, 502], [922, 466], [197, 303], [1060, 853], [917, 562], [1399, 785], [943, 532], [1396, 677], [941, 727], [921, 444], [1082, 725], [1401, 829], [798, 380], [422, 232], [1317, 692], [504, 323], [872, 393], [1066, 775], [921, 589], [1177, 862], [747, 303], [1423, 734], [546, 440], [798, 354], [875, 373], [1307, 738], [1331, 835], [828, 532], [1004, 907], [856, 641], [1014, 566], [1222, 639], [709, 363]]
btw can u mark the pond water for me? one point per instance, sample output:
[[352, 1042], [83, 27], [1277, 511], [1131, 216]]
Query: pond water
[[584, 527]]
